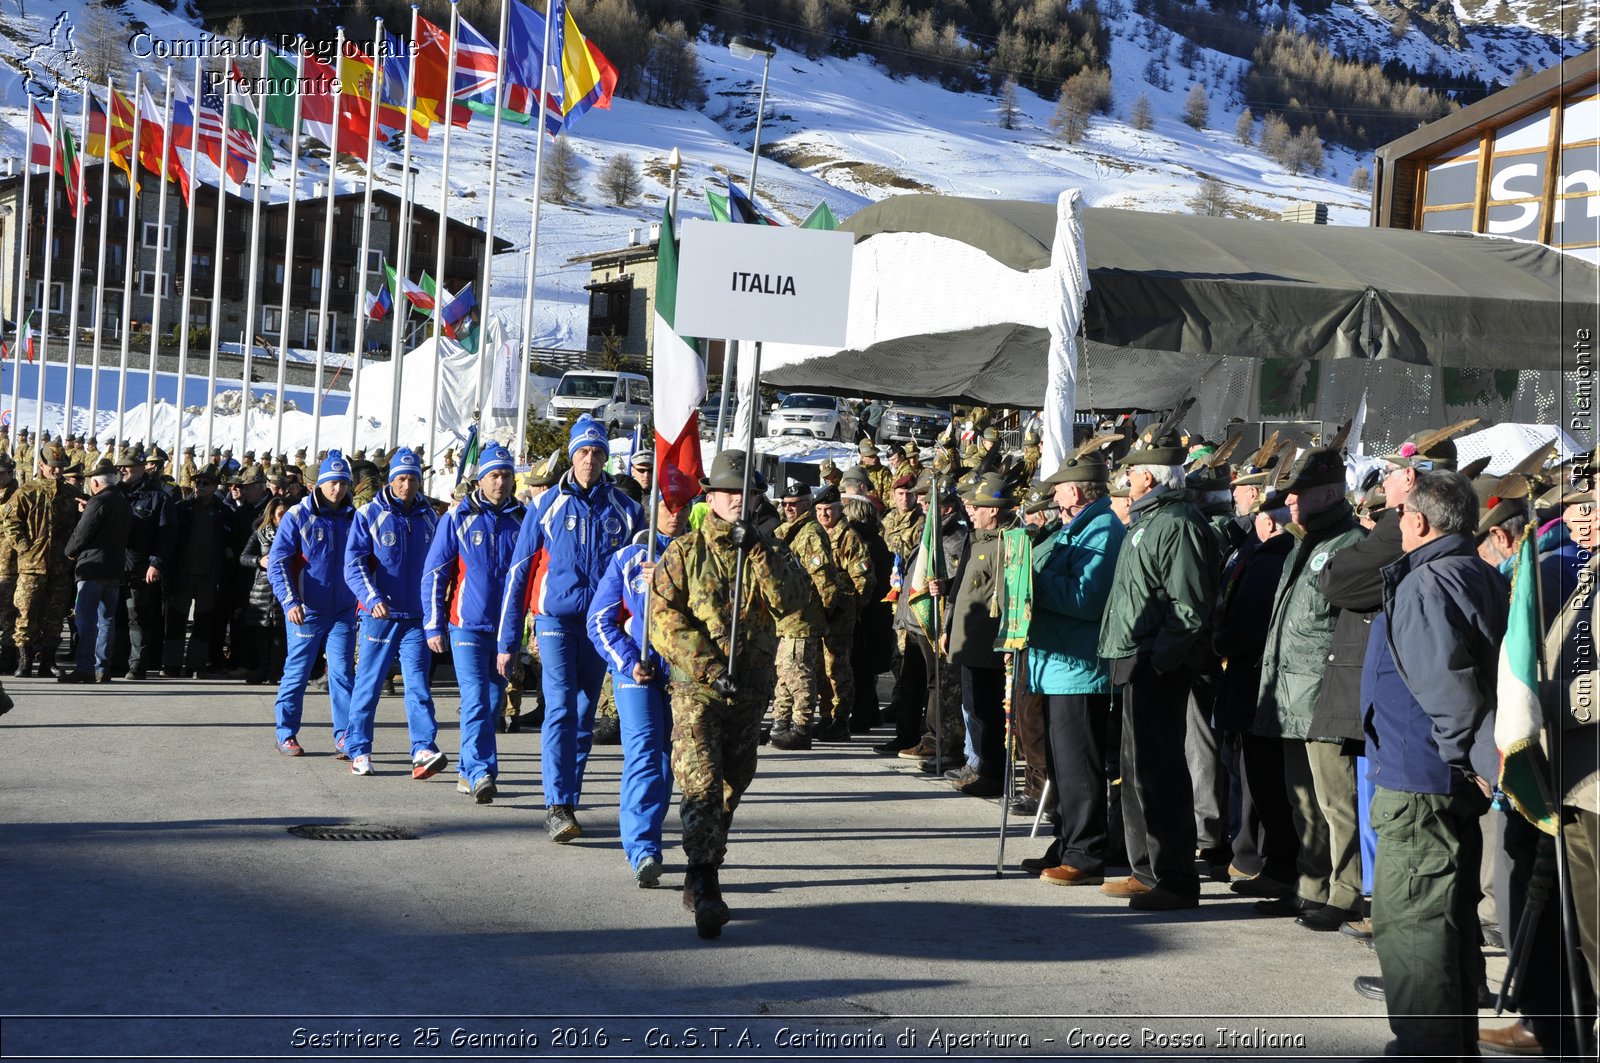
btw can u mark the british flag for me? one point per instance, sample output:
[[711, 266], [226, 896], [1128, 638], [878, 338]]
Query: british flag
[[477, 65]]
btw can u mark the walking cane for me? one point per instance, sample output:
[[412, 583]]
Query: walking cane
[[1011, 763], [1038, 815]]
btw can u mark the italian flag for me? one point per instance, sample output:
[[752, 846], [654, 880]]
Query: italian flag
[[1518, 725], [679, 386]]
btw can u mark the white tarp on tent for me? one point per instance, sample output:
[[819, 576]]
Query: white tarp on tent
[[1510, 443]]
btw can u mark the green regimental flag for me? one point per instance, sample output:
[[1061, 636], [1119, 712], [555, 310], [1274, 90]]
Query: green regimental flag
[[930, 566], [1519, 716], [719, 206], [1014, 590]]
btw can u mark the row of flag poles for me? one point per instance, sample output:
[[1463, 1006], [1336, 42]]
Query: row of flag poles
[[543, 72]]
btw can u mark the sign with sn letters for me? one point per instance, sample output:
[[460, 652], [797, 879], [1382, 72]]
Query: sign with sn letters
[[764, 282]]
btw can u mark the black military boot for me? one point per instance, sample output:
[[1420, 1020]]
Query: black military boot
[[24, 667], [42, 665], [702, 895]]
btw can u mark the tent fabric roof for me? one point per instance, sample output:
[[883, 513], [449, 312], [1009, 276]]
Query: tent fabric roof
[[1217, 286]]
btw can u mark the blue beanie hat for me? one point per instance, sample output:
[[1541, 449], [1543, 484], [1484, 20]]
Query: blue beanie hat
[[493, 458], [334, 467], [587, 432], [405, 463]]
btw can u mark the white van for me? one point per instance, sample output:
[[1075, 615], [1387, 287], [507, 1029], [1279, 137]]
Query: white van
[[608, 396]]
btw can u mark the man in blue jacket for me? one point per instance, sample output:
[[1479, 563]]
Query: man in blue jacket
[[567, 541], [306, 568], [1071, 582], [617, 628], [461, 582], [1428, 698], [383, 564]]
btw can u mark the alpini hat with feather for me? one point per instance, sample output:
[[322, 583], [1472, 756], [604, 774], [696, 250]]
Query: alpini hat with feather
[[1431, 448], [1502, 497], [1161, 444], [1209, 470], [1320, 466], [1087, 463], [546, 472], [1260, 468]]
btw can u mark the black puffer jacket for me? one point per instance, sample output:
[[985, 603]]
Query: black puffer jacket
[[1353, 580], [262, 609]]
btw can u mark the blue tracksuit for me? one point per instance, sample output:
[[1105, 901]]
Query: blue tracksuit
[[383, 563], [567, 541], [305, 568], [615, 627], [461, 582]]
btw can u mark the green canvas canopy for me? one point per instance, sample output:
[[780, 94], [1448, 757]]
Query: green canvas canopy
[[1173, 294]]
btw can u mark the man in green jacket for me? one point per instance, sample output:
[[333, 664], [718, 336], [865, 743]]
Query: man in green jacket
[[1155, 639], [1319, 778]]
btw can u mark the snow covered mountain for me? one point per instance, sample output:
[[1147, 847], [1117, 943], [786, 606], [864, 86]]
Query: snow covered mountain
[[845, 132]]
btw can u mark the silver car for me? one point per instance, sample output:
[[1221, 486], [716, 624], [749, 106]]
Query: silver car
[[818, 416]]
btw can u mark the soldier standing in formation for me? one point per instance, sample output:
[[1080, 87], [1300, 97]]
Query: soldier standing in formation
[[719, 687], [856, 580], [38, 520], [799, 653], [8, 573]]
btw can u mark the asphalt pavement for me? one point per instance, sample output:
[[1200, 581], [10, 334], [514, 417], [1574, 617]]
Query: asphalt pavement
[[158, 905]]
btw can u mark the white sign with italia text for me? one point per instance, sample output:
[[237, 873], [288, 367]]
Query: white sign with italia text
[[764, 282]]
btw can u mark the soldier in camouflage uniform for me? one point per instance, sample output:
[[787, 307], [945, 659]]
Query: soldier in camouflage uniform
[[878, 473], [5, 439], [91, 457], [800, 633], [24, 456], [716, 716], [902, 532], [8, 572], [856, 581], [38, 521], [186, 473], [946, 723]]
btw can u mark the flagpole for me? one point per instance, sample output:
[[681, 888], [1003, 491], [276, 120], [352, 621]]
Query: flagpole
[[494, 180], [77, 264], [444, 221], [655, 471], [167, 150], [215, 316], [525, 343], [400, 242], [49, 259], [366, 223], [188, 264], [531, 295], [131, 252], [288, 245], [251, 278], [100, 260], [20, 344], [327, 257]]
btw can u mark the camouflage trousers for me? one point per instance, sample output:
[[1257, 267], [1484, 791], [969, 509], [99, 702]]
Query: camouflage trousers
[[8, 610], [837, 686], [713, 760], [947, 723], [42, 605], [795, 673]]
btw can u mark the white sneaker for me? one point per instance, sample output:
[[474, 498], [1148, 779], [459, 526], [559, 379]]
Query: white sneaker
[[426, 763], [361, 765], [648, 873], [462, 785]]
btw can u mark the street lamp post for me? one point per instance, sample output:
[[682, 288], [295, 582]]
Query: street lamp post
[[746, 48]]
